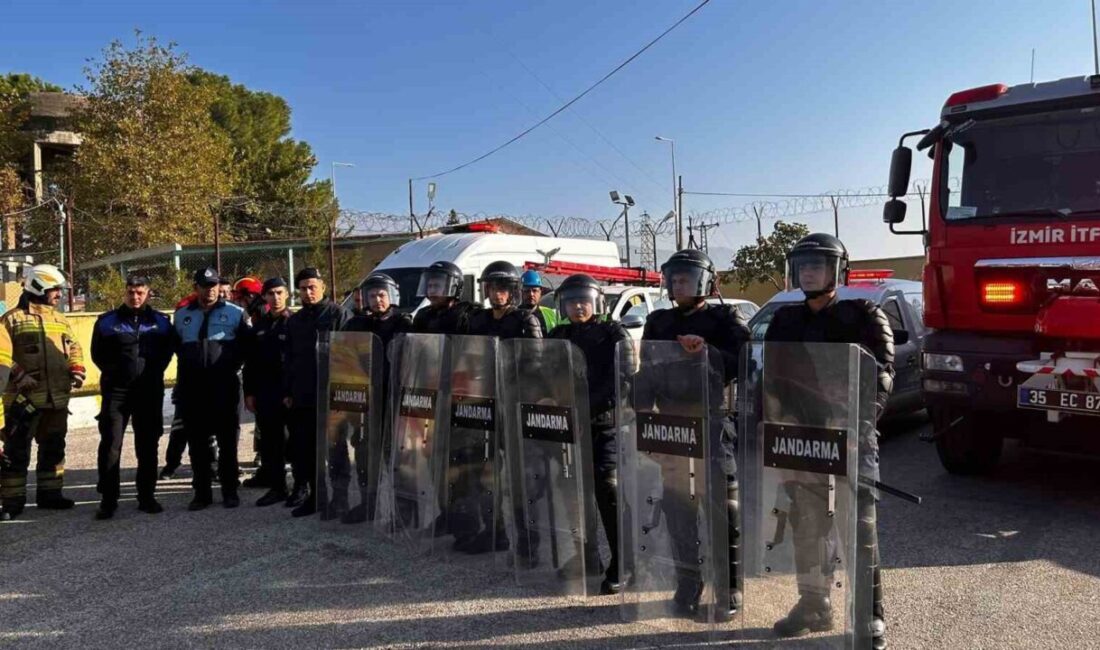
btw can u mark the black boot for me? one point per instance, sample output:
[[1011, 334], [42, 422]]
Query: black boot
[[200, 502], [53, 500], [230, 499], [10, 510], [150, 506], [169, 472], [273, 496], [611, 583], [337, 507], [297, 495], [685, 602], [484, 542], [106, 509], [307, 507], [811, 614]]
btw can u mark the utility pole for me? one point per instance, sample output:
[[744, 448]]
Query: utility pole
[[836, 215], [680, 200], [759, 228], [217, 242], [71, 259], [412, 215]]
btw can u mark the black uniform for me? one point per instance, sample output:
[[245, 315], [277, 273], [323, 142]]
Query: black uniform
[[723, 328], [132, 348], [515, 323], [300, 381], [598, 341], [385, 326], [264, 382], [860, 322], [453, 319]]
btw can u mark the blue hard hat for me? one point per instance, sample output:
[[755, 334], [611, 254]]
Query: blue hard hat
[[531, 278]]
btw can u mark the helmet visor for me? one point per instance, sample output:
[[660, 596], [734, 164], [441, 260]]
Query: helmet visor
[[580, 303], [500, 292], [686, 281], [813, 273], [437, 284], [378, 298]]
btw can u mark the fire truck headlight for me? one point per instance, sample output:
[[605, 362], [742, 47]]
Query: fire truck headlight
[[943, 362]]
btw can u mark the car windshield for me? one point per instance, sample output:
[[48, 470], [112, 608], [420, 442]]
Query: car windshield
[[1037, 165]]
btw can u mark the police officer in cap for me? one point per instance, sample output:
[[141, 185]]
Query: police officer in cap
[[532, 291], [690, 278], [446, 313], [581, 302], [318, 314], [500, 285], [263, 388], [379, 296], [132, 346], [211, 335], [817, 264]]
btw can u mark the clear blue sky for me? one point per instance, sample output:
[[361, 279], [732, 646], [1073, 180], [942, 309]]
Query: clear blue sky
[[791, 96]]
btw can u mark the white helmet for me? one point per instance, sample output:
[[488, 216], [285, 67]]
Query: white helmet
[[40, 277]]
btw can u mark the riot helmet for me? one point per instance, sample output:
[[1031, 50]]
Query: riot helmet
[[378, 293], [580, 298], [440, 280], [817, 264], [500, 276], [689, 275]]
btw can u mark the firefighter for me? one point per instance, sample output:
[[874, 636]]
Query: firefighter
[[210, 337], [532, 290], [263, 390], [690, 278], [318, 314], [817, 264], [581, 304], [441, 283], [500, 286], [5, 374], [379, 297], [132, 346], [48, 364]]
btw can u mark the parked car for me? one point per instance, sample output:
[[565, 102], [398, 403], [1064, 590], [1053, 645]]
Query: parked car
[[902, 301], [746, 308]]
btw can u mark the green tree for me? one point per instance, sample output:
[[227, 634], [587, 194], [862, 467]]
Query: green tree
[[152, 162], [273, 194], [766, 260], [22, 84]]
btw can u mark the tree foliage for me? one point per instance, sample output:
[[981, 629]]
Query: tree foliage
[[765, 261], [151, 164]]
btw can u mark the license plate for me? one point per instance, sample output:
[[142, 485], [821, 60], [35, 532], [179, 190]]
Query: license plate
[[1048, 399]]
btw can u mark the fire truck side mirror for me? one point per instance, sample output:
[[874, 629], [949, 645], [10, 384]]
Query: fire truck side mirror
[[894, 211], [901, 163]]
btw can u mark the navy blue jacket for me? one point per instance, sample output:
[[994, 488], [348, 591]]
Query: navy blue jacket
[[210, 348], [132, 348], [263, 368], [300, 363]]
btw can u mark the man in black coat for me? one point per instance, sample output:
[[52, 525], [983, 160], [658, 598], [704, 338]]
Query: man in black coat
[[132, 345], [318, 314]]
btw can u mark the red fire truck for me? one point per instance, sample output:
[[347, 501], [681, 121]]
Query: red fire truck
[[1012, 273]]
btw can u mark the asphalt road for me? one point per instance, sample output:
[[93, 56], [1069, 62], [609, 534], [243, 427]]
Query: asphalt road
[[1005, 561]]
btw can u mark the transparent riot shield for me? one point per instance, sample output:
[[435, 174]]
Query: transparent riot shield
[[673, 510], [349, 436], [469, 520], [804, 408], [410, 494], [548, 447]]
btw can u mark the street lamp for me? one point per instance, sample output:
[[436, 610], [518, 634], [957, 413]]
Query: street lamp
[[332, 174], [627, 202], [679, 221]]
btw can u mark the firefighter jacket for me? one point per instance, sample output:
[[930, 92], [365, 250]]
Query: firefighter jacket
[[44, 347]]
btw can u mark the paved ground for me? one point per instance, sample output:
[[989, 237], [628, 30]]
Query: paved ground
[[1007, 561]]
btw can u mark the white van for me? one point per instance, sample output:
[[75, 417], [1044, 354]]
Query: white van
[[473, 251]]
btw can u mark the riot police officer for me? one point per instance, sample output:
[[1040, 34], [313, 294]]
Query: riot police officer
[[817, 264], [263, 389], [446, 313], [132, 346], [532, 291], [690, 277], [581, 302], [379, 296], [503, 319]]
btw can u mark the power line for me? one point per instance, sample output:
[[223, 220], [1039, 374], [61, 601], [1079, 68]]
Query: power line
[[570, 102]]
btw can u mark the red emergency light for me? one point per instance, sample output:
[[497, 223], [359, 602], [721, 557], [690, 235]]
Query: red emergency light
[[869, 275], [620, 274], [473, 226], [979, 94]]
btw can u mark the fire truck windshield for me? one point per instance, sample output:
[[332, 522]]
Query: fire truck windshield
[[1036, 165]]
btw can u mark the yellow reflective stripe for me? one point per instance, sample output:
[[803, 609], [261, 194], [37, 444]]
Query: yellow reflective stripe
[[5, 357]]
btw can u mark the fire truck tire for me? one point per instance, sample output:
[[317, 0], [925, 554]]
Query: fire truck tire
[[972, 446]]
